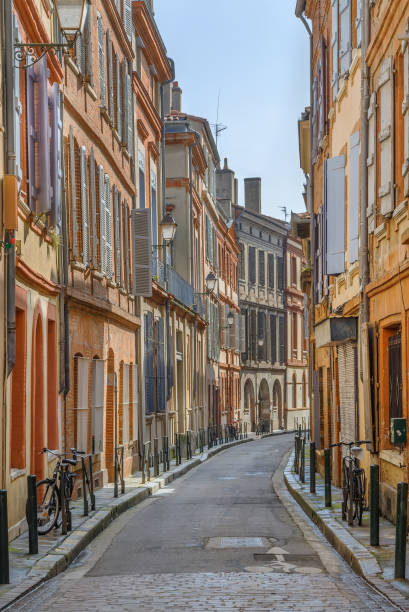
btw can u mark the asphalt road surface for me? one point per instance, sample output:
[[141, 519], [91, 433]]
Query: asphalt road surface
[[218, 538]]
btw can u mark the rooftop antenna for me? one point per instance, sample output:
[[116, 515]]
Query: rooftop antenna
[[218, 127], [285, 213]]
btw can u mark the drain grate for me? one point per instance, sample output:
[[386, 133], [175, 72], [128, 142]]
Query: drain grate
[[234, 542]]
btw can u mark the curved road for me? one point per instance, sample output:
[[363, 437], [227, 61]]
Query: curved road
[[218, 538]]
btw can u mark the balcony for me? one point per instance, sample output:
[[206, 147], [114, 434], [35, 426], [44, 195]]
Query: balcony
[[177, 285]]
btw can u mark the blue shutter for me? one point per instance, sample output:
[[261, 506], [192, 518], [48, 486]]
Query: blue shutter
[[345, 26], [160, 366], [56, 168], [354, 197], [334, 215], [31, 138], [149, 365], [334, 47], [44, 198], [17, 108], [170, 366]]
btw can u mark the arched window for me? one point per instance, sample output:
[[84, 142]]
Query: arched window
[[294, 391]]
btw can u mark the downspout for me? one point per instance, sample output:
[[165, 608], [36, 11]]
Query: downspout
[[364, 254], [299, 12], [10, 258], [285, 331], [163, 177]]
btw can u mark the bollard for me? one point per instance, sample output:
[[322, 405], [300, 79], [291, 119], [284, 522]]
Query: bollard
[[156, 457], [401, 521], [312, 467], [84, 486], [374, 505], [302, 462], [32, 515], [4, 540], [327, 466]]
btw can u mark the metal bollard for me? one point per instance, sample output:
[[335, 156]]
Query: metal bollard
[[156, 457], [312, 467], [374, 505], [401, 521], [32, 515], [84, 486], [302, 462], [4, 540], [327, 466]]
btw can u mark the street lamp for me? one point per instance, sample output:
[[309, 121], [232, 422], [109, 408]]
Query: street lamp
[[230, 318], [71, 15], [211, 281], [168, 225]]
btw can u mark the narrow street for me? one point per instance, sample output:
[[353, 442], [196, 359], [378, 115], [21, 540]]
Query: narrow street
[[218, 538]]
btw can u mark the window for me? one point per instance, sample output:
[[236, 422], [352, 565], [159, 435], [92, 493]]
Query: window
[[294, 271], [81, 403], [273, 333], [252, 265], [395, 375], [294, 335], [304, 391], [271, 271], [141, 164], [261, 268], [97, 407], [280, 273], [134, 401], [294, 385]]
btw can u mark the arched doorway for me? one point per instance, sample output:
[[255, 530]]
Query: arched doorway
[[278, 402], [264, 404], [249, 403], [37, 398]]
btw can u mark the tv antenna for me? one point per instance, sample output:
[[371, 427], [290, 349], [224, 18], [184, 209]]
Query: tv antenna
[[218, 127], [285, 212]]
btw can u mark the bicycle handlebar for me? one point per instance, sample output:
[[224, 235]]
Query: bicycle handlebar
[[75, 451], [355, 443]]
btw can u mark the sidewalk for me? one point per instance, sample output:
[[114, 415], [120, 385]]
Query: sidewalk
[[56, 551], [375, 564]]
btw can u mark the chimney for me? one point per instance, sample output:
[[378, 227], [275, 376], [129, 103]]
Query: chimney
[[225, 183], [176, 97], [167, 99], [252, 194], [236, 191]]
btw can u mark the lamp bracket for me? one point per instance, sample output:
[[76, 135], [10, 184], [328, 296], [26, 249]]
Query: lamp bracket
[[27, 52]]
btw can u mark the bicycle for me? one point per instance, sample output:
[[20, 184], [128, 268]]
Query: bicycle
[[353, 482], [48, 491]]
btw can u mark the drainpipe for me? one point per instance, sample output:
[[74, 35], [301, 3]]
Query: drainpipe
[[364, 255], [284, 424]]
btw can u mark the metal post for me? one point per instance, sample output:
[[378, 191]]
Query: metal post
[[155, 457], [327, 465], [312, 467], [32, 515], [401, 520], [374, 505], [84, 486], [4, 539], [122, 471], [91, 484], [64, 518], [116, 491], [302, 462]]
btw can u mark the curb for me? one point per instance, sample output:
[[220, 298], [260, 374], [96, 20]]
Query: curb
[[353, 552], [60, 557]]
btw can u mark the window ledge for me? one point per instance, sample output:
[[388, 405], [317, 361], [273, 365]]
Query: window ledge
[[400, 212], [111, 283], [17, 473], [92, 93], [78, 265], [104, 113], [70, 62], [98, 275]]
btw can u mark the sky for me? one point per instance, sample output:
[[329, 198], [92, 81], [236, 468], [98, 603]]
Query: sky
[[255, 56]]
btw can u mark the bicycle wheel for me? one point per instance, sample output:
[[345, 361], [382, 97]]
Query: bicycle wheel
[[48, 506]]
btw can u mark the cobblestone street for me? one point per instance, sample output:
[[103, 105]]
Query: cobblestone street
[[217, 539]]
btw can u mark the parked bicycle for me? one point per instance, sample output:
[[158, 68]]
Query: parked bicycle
[[49, 498], [353, 482]]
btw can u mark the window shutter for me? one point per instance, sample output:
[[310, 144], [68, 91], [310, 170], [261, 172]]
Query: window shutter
[[170, 366], [31, 138], [110, 78], [271, 271], [102, 220], [128, 18], [88, 49], [261, 332], [358, 23], [371, 163], [334, 215], [125, 107], [141, 252], [281, 339], [215, 250], [126, 245], [252, 265], [280, 273], [117, 236], [56, 168], [73, 185], [97, 416], [84, 206], [101, 60], [334, 48], [108, 228], [243, 335], [93, 208], [125, 403], [345, 26], [208, 248], [261, 268], [135, 402], [253, 335], [273, 337], [130, 139], [17, 107], [405, 110], [118, 95], [80, 53], [385, 136], [354, 197], [81, 433], [237, 320], [315, 86], [160, 367], [149, 373], [322, 85], [44, 196]]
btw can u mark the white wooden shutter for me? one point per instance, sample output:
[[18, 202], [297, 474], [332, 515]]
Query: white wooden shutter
[[358, 23], [110, 78], [125, 107], [108, 228], [125, 403], [141, 252], [88, 49], [353, 200], [117, 236], [118, 95], [101, 60], [102, 219], [371, 163], [334, 215], [94, 256], [405, 111], [345, 46], [73, 190], [97, 416], [385, 136], [135, 402], [130, 143], [84, 206], [82, 404], [334, 47], [126, 244]]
